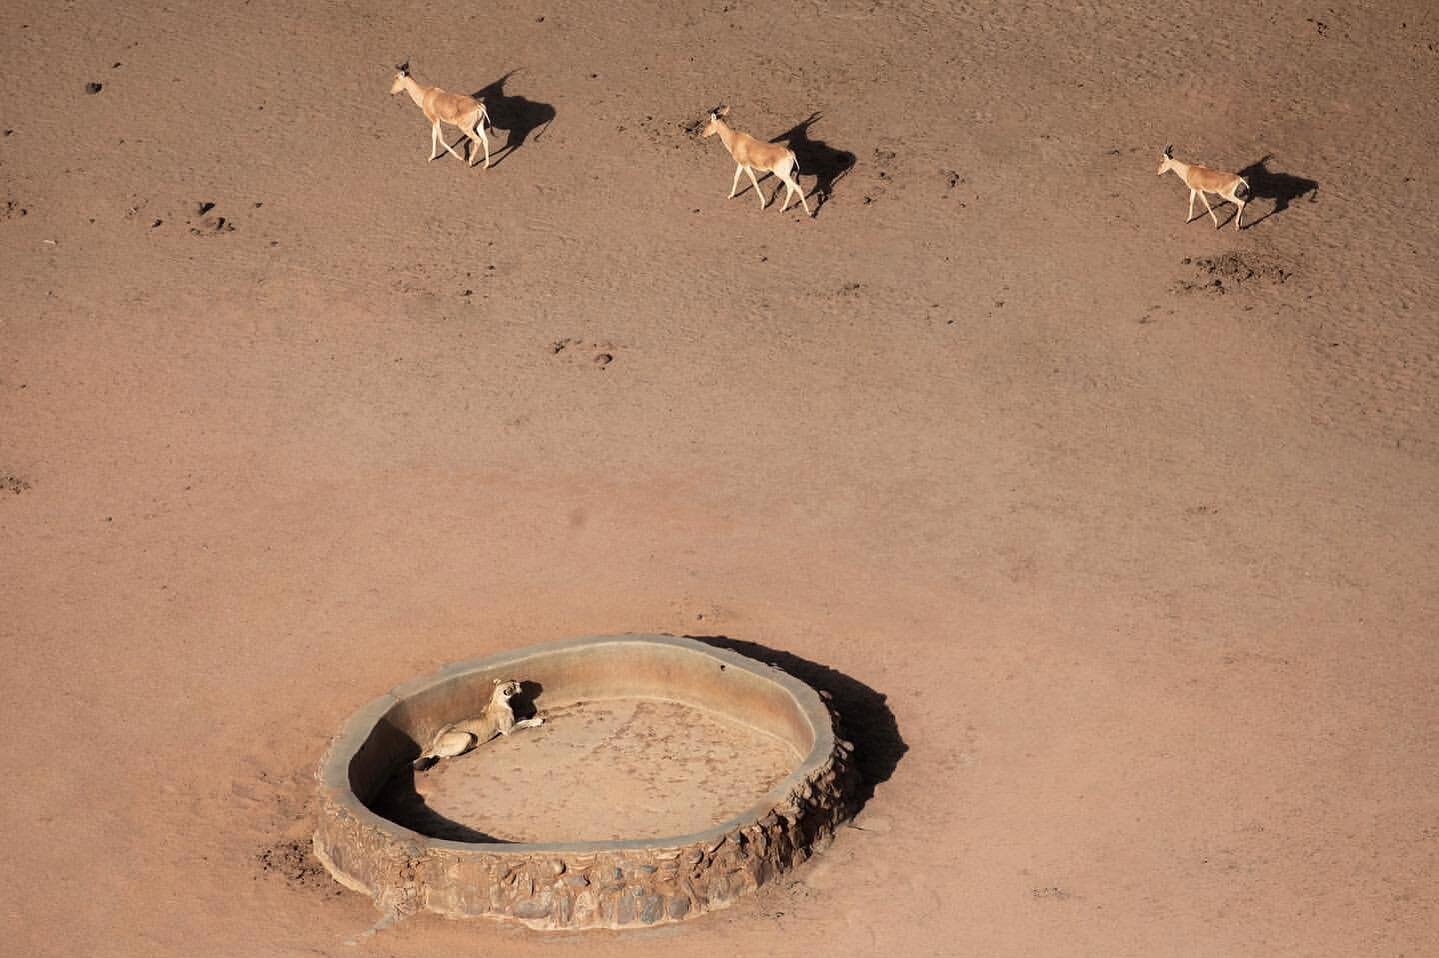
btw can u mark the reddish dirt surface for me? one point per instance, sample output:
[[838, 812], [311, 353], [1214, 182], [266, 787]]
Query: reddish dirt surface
[[1145, 567]]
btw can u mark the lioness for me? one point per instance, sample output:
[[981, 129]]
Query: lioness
[[498, 718]]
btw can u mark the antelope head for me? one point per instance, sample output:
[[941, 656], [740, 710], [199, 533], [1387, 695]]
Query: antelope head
[[1166, 160], [402, 73], [712, 120]]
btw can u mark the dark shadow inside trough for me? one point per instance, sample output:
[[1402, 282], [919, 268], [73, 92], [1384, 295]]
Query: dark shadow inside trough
[[542, 855]]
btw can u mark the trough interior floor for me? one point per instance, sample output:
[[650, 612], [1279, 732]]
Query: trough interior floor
[[596, 771]]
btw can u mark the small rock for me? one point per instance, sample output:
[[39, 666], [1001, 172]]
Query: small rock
[[92, 87]]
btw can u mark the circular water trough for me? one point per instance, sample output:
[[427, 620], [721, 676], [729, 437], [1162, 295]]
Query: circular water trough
[[545, 853]]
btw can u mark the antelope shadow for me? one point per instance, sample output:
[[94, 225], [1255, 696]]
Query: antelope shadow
[[1281, 188], [518, 116], [864, 718], [816, 158]]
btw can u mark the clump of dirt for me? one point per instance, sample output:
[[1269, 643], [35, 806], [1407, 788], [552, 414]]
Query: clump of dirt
[[13, 484], [13, 210], [294, 860], [602, 354], [1229, 271], [209, 223]]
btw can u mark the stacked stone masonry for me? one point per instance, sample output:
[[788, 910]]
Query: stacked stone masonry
[[610, 889]]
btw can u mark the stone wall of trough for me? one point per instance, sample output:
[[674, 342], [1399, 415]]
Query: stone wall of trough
[[588, 886]]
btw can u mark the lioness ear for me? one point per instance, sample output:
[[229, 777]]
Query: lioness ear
[[497, 681]]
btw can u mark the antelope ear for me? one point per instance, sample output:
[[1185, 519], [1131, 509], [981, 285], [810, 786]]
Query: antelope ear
[[722, 111]]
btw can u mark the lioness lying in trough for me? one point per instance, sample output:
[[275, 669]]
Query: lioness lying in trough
[[498, 718]]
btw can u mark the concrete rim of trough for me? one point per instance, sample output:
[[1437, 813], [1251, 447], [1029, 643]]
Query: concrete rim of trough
[[582, 884]]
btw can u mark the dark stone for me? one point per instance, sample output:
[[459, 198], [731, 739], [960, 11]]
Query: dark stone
[[537, 907], [679, 906], [759, 872], [651, 908]]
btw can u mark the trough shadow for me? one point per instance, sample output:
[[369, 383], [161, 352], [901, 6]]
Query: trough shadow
[[400, 802], [1281, 188], [518, 116], [864, 718], [816, 158]]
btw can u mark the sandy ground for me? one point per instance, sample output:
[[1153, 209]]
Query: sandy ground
[[1143, 567]]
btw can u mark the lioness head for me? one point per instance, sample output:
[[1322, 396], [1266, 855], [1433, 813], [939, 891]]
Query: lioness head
[[505, 689]]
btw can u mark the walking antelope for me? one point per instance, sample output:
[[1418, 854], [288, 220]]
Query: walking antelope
[[441, 106], [751, 154], [1201, 180]]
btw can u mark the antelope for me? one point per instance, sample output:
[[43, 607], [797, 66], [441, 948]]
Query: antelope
[[441, 106], [1201, 180], [751, 154]]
